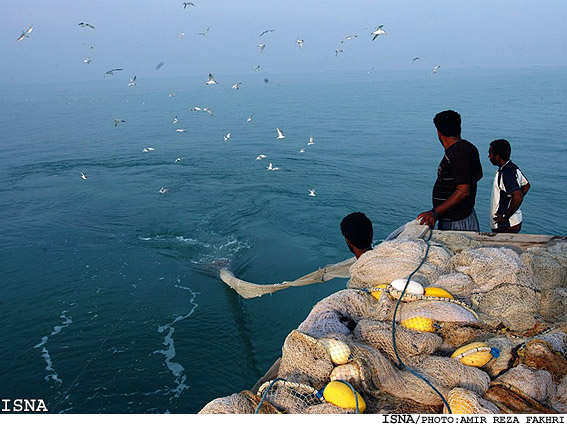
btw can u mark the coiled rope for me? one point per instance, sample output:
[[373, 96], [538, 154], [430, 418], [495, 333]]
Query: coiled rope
[[417, 374]]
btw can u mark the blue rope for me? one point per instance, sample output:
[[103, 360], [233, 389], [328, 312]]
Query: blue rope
[[266, 392], [394, 326], [354, 392]]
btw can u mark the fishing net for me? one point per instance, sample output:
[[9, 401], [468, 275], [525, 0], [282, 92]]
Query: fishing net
[[508, 300]]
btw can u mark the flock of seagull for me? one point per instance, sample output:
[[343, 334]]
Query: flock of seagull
[[378, 31]]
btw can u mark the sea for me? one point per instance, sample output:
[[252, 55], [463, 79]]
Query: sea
[[110, 296]]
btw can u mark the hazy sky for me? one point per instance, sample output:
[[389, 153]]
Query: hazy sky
[[137, 35]]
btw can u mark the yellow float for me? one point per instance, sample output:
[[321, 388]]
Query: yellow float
[[340, 394], [475, 354]]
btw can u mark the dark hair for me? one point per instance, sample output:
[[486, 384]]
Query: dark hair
[[502, 148], [357, 228], [448, 123]]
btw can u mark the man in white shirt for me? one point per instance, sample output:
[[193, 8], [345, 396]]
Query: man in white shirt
[[510, 187]]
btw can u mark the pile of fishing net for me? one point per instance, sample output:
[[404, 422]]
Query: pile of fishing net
[[485, 333]]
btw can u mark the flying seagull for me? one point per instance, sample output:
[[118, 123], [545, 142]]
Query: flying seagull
[[211, 80], [161, 64], [415, 59], [226, 137], [177, 160], [271, 168], [132, 81], [337, 51], [84, 24], [181, 34], [111, 72], [208, 110], [280, 134], [87, 60], [172, 95], [435, 69], [377, 32], [175, 120], [83, 175], [206, 33], [262, 47], [25, 33], [187, 3], [261, 156], [312, 192], [249, 119], [311, 142], [257, 68], [302, 150], [264, 32], [147, 149], [180, 130], [347, 38], [163, 190], [300, 43], [196, 109], [237, 85], [117, 121]]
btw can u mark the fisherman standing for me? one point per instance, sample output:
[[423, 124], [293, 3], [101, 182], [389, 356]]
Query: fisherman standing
[[510, 187], [454, 192]]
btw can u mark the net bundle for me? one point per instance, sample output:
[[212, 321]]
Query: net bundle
[[507, 300]]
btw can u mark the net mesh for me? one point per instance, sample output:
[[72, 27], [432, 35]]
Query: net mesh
[[510, 300]]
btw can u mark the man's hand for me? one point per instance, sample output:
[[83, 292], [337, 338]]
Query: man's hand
[[500, 219], [427, 218]]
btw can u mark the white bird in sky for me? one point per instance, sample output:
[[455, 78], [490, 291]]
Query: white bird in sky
[[172, 95], [206, 33], [132, 81], [377, 32], [83, 175], [236, 85], [311, 142], [337, 51], [84, 24], [175, 120], [261, 156], [435, 69], [300, 43], [163, 190], [87, 60], [177, 160], [249, 119], [302, 150], [117, 121], [347, 38], [271, 168], [211, 80], [227, 137], [187, 3], [257, 68], [147, 149], [25, 33], [264, 32], [208, 110], [280, 134], [180, 130], [196, 109], [415, 59], [312, 192], [262, 46], [181, 34]]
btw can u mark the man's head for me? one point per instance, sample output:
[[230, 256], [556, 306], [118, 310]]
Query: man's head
[[357, 231], [499, 152], [448, 123]]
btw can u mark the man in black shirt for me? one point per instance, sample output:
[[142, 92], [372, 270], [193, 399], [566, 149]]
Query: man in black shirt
[[454, 191]]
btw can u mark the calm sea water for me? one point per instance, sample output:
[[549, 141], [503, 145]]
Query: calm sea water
[[110, 300]]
